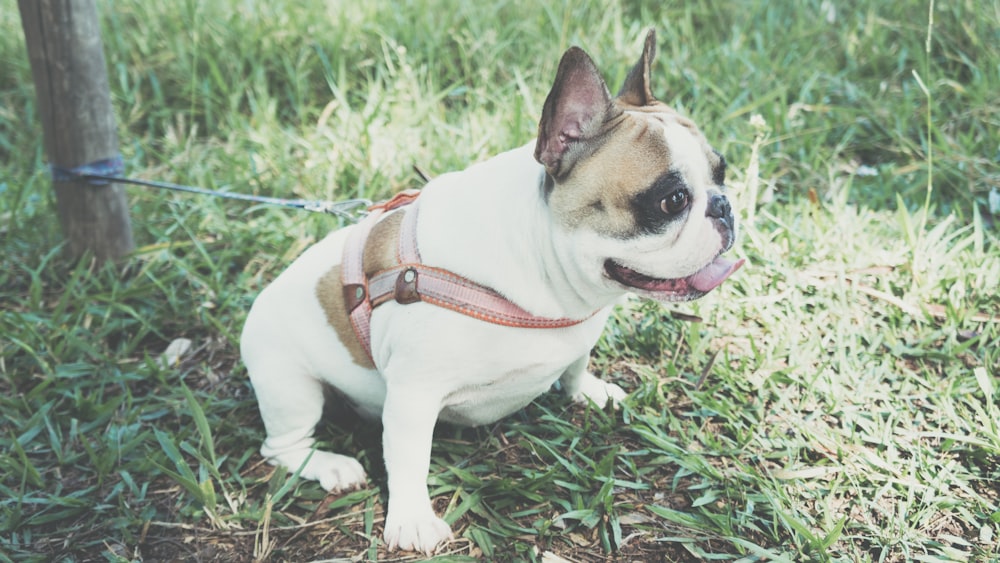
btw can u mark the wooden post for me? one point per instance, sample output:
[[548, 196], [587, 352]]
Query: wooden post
[[74, 104]]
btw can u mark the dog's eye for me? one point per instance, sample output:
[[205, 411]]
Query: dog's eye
[[674, 203]]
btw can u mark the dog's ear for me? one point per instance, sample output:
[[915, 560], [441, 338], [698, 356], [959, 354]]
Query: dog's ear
[[574, 110], [636, 91]]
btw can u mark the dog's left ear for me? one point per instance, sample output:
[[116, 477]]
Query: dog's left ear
[[574, 110], [636, 91]]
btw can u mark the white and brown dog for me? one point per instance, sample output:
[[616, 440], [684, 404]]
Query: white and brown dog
[[499, 290]]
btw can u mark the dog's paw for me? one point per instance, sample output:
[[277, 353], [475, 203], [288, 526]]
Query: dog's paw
[[599, 391], [334, 472], [422, 532]]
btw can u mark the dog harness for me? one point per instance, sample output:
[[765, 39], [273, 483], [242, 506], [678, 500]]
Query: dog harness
[[410, 281]]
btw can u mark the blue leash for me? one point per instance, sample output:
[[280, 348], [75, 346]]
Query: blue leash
[[104, 172]]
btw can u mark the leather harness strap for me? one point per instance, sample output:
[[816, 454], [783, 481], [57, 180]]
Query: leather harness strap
[[410, 281]]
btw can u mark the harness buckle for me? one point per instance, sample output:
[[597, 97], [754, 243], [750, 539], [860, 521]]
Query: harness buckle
[[354, 295], [406, 287]]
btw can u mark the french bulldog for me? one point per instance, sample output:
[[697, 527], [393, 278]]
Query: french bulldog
[[617, 194]]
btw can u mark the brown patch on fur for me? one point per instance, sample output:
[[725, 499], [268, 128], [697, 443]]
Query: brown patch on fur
[[382, 245], [624, 162], [380, 253], [331, 296]]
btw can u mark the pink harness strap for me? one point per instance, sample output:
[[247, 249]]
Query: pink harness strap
[[411, 281]]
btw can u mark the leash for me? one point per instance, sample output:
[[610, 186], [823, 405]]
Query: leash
[[107, 171]]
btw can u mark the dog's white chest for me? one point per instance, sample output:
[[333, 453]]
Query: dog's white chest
[[480, 372], [489, 401]]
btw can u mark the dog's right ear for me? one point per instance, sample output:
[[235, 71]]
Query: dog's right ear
[[574, 110], [637, 91]]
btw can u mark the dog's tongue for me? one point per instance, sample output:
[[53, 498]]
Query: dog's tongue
[[709, 277], [678, 289]]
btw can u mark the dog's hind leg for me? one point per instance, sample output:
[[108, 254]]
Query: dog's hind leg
[[291, 405]]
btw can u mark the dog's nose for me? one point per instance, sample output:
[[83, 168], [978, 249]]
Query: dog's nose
[[718, 207]]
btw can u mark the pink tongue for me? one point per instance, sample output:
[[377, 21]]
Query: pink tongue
[[709, 277]]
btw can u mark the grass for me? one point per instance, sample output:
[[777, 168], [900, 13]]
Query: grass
[[836, 401]]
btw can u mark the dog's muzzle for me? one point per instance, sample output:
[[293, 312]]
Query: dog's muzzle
[[721, 211]]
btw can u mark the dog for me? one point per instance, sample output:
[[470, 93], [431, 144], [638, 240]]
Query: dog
[[497, 289]]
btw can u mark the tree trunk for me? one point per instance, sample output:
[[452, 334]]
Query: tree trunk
[[71, 85]]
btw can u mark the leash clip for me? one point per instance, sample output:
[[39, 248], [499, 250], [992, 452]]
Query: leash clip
[[352, 209]]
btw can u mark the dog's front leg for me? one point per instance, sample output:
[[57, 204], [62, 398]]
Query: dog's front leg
[[408, 419], [581, 385]]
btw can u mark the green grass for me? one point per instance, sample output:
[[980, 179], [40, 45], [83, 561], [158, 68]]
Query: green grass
[[838, 400]]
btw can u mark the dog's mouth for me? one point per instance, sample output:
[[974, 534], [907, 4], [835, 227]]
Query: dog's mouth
[[679, 289]]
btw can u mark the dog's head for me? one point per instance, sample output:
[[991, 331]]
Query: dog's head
[[634, 186]]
